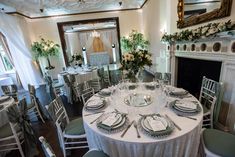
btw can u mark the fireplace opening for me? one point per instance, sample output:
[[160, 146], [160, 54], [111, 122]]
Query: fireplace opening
[[191, 72]]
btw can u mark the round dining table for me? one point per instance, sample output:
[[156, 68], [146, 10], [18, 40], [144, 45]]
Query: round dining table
[[183, 141]]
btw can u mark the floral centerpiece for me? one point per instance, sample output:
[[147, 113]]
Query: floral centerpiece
[[45, 48], [136, 54], [77, 58], [209, 30]]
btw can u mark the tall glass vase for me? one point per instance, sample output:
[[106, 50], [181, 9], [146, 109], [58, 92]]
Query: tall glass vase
[[140, 75], [49, 67]]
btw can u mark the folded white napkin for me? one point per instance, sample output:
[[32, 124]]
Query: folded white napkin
[[111, 119], [186, 105], [156, 124]]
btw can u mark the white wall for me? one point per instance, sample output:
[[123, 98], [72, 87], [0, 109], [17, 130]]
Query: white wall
[[47, 28]]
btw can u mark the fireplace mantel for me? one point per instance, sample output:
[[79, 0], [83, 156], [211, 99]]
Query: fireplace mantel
[[214, 56], [219, 49]]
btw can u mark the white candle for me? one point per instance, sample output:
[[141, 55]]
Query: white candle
[[114, 53], [84, 55]]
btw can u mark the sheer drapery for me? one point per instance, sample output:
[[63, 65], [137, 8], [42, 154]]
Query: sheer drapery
[[107, 36], [21, 55], [3, 41]]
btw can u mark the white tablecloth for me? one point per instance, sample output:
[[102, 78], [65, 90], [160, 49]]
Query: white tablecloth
[[81, 76], [179, 143]]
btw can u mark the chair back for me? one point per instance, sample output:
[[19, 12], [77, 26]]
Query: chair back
[[59, 116], [56, 108], [95, 84], [66, 80], [32, 90], [211, 88], [167, 78], [87, 94], [11, 90], [48, 151], [6, 89], [14, 88], [158, 75]]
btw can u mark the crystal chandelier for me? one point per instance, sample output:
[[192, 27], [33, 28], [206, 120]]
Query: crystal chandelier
[[95, 34]]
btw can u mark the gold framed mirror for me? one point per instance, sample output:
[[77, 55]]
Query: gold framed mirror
[[193, 12]]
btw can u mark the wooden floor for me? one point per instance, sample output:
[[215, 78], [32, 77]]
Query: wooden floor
[[48, 130]]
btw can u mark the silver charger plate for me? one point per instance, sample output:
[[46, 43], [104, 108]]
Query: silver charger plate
[[118, 126], [96, 109], [184, 112], [155, 134], [138, 100]]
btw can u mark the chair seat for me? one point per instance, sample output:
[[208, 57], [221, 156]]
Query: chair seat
[[6, 131], [95, 153], [75, 127], [220, 143]]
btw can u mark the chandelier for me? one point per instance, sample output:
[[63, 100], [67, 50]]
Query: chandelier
[[95, 34]]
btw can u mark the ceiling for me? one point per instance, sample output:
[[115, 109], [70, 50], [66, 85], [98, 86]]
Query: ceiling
[[42, 8], [90, 26]]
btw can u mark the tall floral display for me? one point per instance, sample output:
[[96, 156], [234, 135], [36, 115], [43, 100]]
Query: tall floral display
[[135, 55], [45, 48]]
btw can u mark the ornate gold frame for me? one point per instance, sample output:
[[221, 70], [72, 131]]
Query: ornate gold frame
[[223, 11]]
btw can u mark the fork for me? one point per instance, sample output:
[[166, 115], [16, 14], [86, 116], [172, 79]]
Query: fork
[[137, 131]]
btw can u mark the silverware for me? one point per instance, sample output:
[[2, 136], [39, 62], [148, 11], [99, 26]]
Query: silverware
[[137, 131], [97, 118], [128, 127], [93, 113], [173, 122], [187, 117]]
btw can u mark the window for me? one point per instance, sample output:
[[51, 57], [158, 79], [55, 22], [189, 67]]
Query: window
[[5, 64]]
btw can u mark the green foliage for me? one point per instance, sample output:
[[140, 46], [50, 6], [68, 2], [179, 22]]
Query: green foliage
[[133, 61], [208, 30], [76, 57], [45, 48], [133, 42]]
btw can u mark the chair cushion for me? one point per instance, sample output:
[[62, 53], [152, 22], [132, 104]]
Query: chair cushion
[[95, 153], [6, 130], [220, 143], [75, 127]]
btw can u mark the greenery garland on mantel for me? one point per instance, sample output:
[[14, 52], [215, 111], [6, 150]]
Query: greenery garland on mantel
[[209, 30]]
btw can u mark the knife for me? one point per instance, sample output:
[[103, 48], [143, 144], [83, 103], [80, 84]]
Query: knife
[[187, 117], [127, 128], [173, 123], [89, 114]]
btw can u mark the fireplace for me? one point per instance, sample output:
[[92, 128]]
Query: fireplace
[[191, 72]]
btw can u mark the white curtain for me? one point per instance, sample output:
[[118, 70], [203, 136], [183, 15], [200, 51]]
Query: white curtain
[[108, 38], [22, 58]]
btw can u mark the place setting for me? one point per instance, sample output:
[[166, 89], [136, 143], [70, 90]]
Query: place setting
[[112, 122], [185, 108], [95, 104], [155, 125]]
